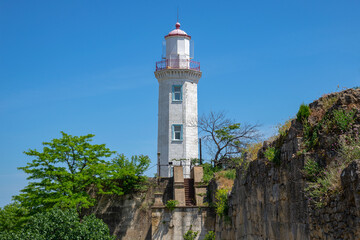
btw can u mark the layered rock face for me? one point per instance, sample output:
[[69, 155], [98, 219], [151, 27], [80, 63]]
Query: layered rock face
[[270, 201]]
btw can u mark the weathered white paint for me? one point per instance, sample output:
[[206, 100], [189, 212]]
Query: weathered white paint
[[183, 112], [177, 47]]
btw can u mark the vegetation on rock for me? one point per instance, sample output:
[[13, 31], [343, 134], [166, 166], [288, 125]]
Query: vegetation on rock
[[171, 204], [190, 234], [330, 136], [273, 155], [221, 202], [210, 236], [303, 113]]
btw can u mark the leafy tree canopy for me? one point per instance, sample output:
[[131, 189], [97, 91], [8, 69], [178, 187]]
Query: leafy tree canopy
[[69, 168], [60, 224], [12, 217]]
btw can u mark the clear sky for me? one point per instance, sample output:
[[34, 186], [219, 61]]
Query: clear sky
[[87, 67]]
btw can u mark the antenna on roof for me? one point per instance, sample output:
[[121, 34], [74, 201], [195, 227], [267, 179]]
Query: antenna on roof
[[177, 17]]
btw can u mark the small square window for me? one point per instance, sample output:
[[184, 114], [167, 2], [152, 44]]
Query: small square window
[[177, 93], [177, 132]]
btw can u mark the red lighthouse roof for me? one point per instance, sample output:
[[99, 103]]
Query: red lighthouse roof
[[177, 32]]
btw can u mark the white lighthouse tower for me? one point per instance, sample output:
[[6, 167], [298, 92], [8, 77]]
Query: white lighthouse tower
[[178, 77]]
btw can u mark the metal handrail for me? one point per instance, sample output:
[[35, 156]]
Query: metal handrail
[[178, 64]]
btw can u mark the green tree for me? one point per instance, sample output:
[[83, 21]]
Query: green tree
[[126, 175], [12, 217], [63, 172], [60, 224]]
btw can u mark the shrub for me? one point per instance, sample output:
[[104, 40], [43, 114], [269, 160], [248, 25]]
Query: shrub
[[60, 224], [303, 113], [344, 119], [312, 170], [210, 236], [350, 149], [190, 234], [221, 202], [311, 135], [171, 204], [209, 171], [228, 174], [325, 185], [13, 217], [328, 181], [273, 155]]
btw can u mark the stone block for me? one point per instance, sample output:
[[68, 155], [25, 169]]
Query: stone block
[[197, 174], [178, 174]]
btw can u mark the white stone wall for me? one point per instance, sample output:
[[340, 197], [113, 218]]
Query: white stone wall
[[177, 112], [177, 47]]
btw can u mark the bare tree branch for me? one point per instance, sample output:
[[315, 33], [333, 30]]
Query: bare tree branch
[[224, 137]]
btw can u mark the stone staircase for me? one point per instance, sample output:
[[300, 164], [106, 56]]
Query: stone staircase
[[189, 192]]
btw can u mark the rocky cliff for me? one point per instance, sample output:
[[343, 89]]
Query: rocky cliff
[[310, 187]]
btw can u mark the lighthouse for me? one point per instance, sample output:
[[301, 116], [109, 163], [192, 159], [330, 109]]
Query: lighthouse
[[178, 76]]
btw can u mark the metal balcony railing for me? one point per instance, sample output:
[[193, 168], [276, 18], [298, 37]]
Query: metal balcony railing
[[177, 64]]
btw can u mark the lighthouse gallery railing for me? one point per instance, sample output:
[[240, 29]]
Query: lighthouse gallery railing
[[177, 64]]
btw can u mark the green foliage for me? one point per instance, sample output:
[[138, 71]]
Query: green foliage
[[12, 217], [171, 204], [312, 170], [195, 161], [57, 224], [303, 113], [338, 119], [311, 135], [221, 202], [210, 236], [229, 174], [323, 186], [209, 172], [270, 153], [125, 175], [190, 234], [350, 149], [227, 132], [68, 168], [273, 155], [326, 182], [344, 119]]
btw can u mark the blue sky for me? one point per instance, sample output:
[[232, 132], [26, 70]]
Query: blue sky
[[87, 67]]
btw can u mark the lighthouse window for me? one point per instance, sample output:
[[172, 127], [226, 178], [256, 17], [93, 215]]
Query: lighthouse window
[[177, 132], [177, 93]]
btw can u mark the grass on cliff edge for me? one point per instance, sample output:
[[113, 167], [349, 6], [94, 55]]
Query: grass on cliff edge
[[328, 123], [323, 182]]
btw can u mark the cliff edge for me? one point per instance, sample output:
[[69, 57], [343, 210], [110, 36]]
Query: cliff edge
[[304, 183]]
